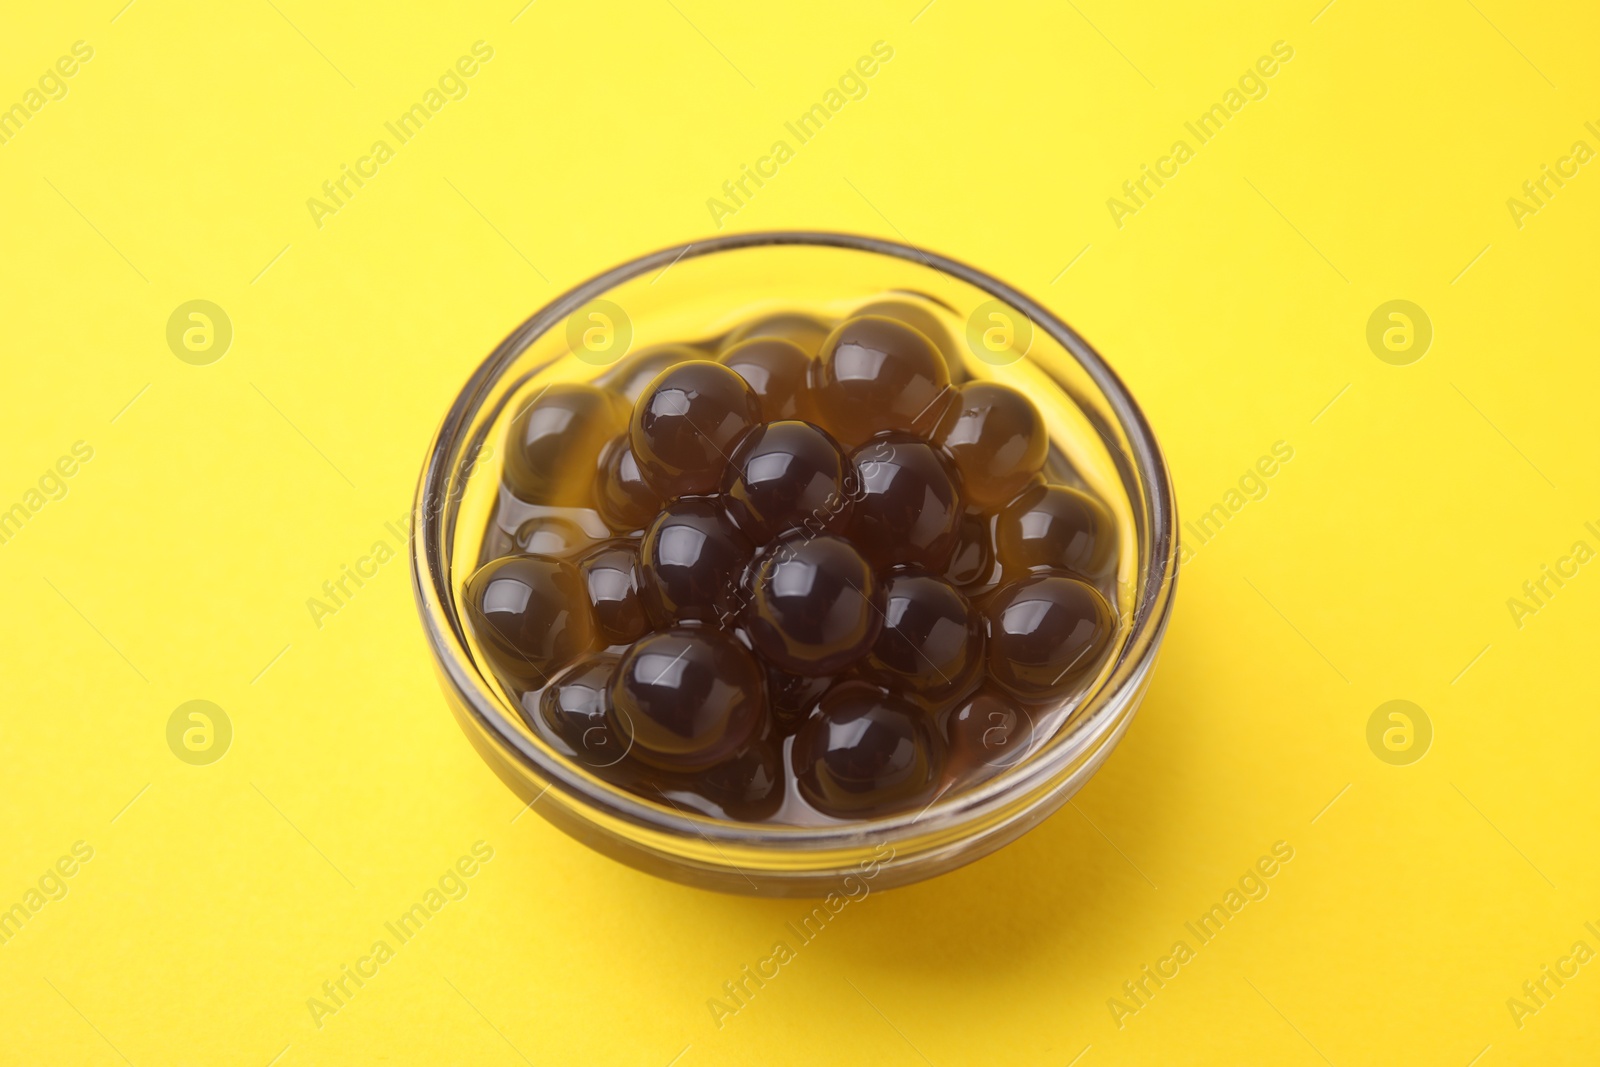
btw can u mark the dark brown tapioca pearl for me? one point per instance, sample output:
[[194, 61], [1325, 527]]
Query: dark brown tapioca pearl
[[630, 377], [906, 507], [744, 583], [817, 606], [864, 753], [690, 563], [931, 644], [1047, 632], [571, 712], [787, 476], [972, 561], [875, 375], [687, 424], [748, 786], [625, 500], [791, 697], [921, 318], [778, 370], [687, 698], [531, 613], [997, 439], [554, 442], [1054, 526], [807, 331], [551, 535], [611, 575], [985, 733]]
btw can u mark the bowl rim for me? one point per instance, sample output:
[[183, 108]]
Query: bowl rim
[[433, 526]]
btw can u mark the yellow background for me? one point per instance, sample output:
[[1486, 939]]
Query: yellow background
[[1235, 304]]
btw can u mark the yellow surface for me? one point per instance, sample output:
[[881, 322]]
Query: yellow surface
[[1378, 566]]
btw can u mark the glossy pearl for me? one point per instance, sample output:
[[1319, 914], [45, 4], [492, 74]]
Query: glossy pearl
[[687, 698], [865, 752], [920, 317], [554, 442], [691, 560], [792, 696], [635, 372], [876, 375], [551, 535], [1047, 633], [907, 508], [611, 575], [687, 424], [625, 500], [747, 787], [986, 733], [997, 439], [807, 331], [531, 613], [972, 561], [786, 476], [779, 372], [572, 712], [817, 605], [932, 641], [1054, 526]]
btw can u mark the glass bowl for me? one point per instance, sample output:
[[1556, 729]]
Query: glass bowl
[[597, 331]]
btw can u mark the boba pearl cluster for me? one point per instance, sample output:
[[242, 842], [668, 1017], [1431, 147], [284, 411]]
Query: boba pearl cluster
[[836, 582]]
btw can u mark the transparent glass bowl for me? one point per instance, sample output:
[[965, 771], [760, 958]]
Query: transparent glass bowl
[[698, 291]]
